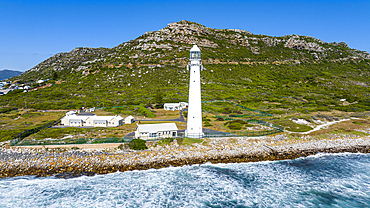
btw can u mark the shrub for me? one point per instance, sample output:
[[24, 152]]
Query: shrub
[[165, 141], [235, 126], [206, 123], [6, 110], [137, 144]]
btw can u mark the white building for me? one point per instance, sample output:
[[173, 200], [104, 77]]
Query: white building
[[90, 119], [194, 121], [4, 92], [129, 119], [175, 106], [156, 131]]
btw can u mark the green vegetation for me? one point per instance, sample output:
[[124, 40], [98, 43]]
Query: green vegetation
[[357, 123], [7, 110], [277, 79], [349, 132], [166, 141], [20, 124], [206, 124], [245, 76], [237, 124], [188, 141], [291, 126], [137, 144]]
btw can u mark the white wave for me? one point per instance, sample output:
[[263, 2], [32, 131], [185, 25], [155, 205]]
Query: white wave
[[324, 179]]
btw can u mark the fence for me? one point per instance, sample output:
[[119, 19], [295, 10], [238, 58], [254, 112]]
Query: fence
[[28, 132], [257, 111], [27, 142], [233, 134]]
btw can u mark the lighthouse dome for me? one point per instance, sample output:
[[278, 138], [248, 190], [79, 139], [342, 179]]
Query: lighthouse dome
[[194, 48]]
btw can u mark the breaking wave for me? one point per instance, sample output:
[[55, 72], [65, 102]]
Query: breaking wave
[[324, 180]]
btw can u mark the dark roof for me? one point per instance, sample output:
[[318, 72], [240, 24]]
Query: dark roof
[[86, 114]]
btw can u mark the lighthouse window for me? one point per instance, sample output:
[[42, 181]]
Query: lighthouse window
[[193, 117], [194, 71], [194, 80]]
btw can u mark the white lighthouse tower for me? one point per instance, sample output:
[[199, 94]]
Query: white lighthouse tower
[[194, 124]]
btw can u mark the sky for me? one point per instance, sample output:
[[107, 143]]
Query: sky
[[34, 30]]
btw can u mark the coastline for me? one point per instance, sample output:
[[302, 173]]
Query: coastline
[[68, 163]]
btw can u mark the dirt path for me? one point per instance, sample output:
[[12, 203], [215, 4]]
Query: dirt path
[[319, 127]]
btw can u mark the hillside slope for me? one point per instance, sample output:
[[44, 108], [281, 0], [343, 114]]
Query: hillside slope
[[6, 73], [298, 73]]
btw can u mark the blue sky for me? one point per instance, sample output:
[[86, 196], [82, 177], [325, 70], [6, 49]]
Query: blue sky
[[32, 30]]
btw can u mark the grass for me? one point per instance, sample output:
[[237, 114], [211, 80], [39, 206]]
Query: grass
[[349, 132], [291, 126], [165, 141], [357, 123], [188, 141]]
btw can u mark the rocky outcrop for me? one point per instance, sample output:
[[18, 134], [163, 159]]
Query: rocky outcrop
[[295, 42], [73, 59]]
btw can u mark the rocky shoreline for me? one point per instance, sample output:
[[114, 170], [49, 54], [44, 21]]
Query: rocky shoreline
[[72, 163]]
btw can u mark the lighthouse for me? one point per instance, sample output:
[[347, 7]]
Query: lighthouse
[[194, 123]]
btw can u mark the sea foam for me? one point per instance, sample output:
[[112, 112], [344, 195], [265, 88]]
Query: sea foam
[[327, 180]]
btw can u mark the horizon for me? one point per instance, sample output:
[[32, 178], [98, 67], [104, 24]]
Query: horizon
[[35, 31]]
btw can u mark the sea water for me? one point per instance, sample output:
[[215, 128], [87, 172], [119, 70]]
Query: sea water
[[324, 180]]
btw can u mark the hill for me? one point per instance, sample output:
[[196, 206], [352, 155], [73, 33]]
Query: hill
[[275, 74], [6, 73]]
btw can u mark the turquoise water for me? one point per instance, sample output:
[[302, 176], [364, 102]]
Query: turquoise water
[[324, 180]]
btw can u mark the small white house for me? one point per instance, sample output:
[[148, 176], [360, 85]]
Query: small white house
[[175, 106], [129, 119], [156, 131]]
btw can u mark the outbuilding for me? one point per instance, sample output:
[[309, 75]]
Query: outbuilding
[[129, 119], [175, 106], [156, 131]]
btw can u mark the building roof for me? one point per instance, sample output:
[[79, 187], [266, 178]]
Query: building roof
[[86, 114], [94, 117], [129, 117], [172, 104], [152, 128], [75, 120], [71, 112]]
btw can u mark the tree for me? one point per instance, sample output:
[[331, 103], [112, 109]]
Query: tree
[[55, 75], [158, 97]]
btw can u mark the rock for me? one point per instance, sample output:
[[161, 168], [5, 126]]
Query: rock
[[295, 42]]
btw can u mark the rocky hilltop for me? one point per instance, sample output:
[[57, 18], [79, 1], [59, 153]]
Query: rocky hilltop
[[291, 70], [179, 36]]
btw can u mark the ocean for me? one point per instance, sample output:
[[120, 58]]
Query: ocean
[[323, 180]]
